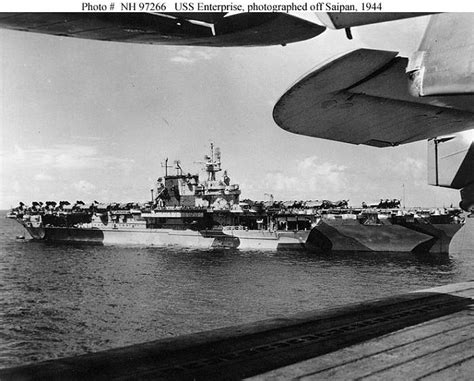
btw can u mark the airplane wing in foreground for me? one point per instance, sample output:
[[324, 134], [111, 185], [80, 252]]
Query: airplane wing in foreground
[[363, 98], [191, 28], [339, 20], [444, 62], [376, 98], [199, 29]]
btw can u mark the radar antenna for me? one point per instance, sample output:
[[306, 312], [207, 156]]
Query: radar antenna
[[179, 170], [165, 166], [212, 163], [270, 195]]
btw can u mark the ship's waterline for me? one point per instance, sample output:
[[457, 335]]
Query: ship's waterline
[[187, 212], [227, 238], [70, 298]]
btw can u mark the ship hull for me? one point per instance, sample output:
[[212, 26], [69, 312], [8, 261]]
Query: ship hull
[[443, 233], [351, 236], [327, 236], [208, 239]]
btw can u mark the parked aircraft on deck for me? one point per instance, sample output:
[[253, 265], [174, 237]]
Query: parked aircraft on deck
[[370, 97]]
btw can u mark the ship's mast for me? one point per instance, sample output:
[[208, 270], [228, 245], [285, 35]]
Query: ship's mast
[[166, 166], [213, 163], [179, 170]]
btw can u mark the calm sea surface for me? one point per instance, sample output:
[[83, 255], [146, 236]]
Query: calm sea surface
[[60, 300]]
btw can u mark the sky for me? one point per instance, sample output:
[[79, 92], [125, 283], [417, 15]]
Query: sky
[[92, 120]]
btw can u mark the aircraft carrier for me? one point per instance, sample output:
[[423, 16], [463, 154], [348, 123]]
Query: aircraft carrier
[[185, 211]]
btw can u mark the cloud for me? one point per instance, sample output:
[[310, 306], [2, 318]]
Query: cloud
[[16, 186], [410, 170], [189, 56], [332, 175], [60, 171], [63, 157], [182, 60], [84, 186], [315, 178], [311, 178], [42, 177], [280, 182]]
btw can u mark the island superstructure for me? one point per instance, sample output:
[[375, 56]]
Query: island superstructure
[[184, 211], [187, 212]]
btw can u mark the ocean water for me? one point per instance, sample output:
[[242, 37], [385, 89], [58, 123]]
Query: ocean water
[[59, 300]]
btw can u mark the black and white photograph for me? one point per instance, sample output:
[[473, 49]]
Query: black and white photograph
[[236, 190]]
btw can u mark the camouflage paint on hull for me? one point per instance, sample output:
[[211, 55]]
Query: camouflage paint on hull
[[236, 239], [351, 236], [328, 236], [443, 233], [463, 241]]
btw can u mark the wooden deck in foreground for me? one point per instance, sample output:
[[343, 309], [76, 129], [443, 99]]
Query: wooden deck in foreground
[[427, 334], [439, 349]]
